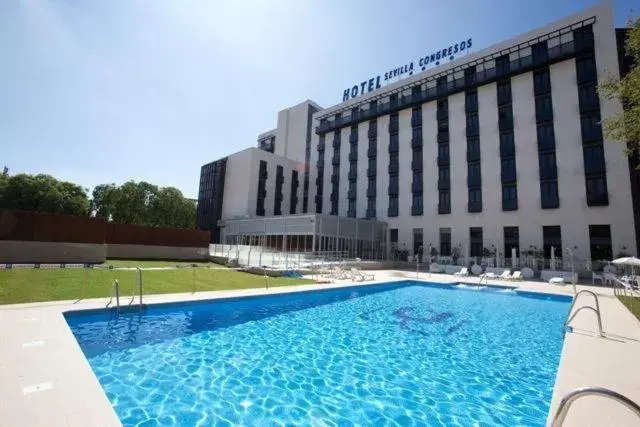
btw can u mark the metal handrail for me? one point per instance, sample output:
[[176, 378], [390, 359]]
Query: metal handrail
[[567, 401], [115, 288], [585, 307]]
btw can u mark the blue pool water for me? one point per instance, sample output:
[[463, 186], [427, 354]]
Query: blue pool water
[[407, 353]]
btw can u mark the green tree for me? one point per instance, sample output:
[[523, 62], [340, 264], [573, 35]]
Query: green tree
[[132, 206], [104, 199], [42, 193], [170, 208], [625, 126]]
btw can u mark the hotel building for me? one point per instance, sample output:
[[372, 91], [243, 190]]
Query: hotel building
[[500, 149]]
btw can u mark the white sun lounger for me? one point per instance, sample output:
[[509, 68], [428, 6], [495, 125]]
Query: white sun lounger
[[505, 275], [464, 271], [517, 275]]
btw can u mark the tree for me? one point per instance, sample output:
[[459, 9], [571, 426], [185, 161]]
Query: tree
[[104, 199], [171, 209], [133, 202], [625, 126], [42, 193]]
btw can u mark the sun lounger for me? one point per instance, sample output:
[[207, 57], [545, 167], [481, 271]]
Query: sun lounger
[[506, 275], [464, 271], [517, 275]]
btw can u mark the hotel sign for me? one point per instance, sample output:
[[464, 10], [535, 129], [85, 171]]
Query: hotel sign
[[430, 59]]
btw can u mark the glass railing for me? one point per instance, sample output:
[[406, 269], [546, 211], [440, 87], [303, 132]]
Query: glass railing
[[481, 77]]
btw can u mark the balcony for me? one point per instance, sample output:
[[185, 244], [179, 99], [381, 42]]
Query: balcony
[[371, 192], [444, 209], [372, 152], [320, 162], [444, 184], [351, 194], [416, 165], [353, 156], [371, 172], [372, 132], [416, 210], [335, 178], [416, 142], [416, 120], [335, 160], [393, 127], [393, 168], [443, 137], [510, 205], [393, 189], [353, 137], [394, 146], [520, 65], [353, 175], [371, 213], [416, 187], [473, 155], [474, 207]]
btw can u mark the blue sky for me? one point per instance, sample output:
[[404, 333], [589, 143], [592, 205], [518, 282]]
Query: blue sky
[[106, 91]]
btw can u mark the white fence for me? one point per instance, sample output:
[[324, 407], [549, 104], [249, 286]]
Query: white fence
[[258, 256]]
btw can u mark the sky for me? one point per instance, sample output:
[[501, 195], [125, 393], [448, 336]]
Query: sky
[[95, 91]]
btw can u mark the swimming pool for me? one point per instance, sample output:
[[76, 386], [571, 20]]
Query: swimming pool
[[433, 353]]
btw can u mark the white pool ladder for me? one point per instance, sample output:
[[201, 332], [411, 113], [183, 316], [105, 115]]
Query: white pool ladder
[[596, 310], [567, 401]]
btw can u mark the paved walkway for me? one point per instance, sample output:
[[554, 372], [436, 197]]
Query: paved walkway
[[45, 379]]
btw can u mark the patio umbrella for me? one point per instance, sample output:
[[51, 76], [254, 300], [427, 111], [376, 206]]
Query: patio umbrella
[[627, 260]]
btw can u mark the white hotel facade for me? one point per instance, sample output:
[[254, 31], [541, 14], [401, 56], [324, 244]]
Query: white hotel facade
[[500, 149]]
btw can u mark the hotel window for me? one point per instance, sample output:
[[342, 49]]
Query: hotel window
[[552, 236], [511, 241], [544, 109], [393, 206], [443, 175], [473, 127], [475, 240], [593, 159], [504, 92], [471, 100], [371, 204], [541, 82], [474, 174], [293, 198], [475, 200], [445, 241], [351, 212], [470, 75], [393, 237], [441, 85], [473, 149], [586, 69], [547, 163], [507, 145], [443, 154], [600, 242], [597, 191], [505, 117], [509, 197], [372, 164], [443, 126], [417, 176], [546, 138], [444, 202], [417, 201], [549, 194], [372, 182], [539, 52], [502, 65], [508, 170], [583, 37], [417, 240]]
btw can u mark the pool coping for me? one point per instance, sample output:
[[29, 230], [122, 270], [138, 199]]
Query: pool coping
[[46, 380]]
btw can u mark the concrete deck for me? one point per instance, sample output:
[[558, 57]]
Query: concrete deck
[[45, 379]]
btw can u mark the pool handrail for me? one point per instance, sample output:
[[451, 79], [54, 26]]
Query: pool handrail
[[570, 398]]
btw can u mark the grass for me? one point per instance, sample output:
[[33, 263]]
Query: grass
[[632, 303], [36, 285]]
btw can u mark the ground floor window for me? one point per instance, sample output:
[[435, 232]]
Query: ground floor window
[[600, 242], [475, 239]]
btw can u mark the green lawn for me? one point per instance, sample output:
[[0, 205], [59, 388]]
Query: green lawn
[[632, 303], [32, 285]]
